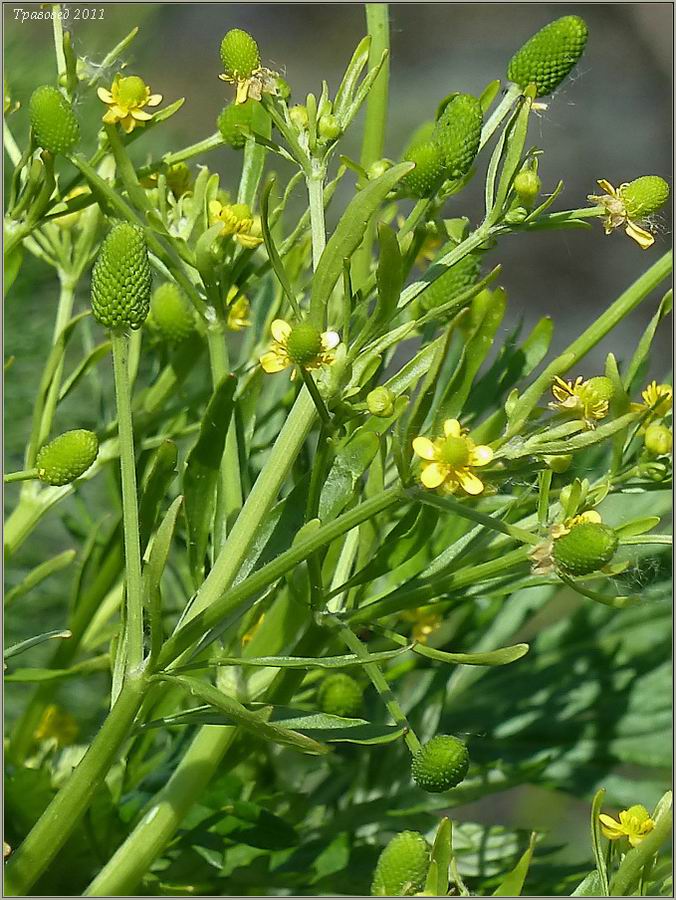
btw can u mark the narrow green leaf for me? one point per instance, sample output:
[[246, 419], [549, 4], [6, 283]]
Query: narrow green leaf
[[352, 460], [97, 354], [642, 352], [293, 662], [512, 884], [590, 886], [328, 728], [152, 573], [517, 131], [441, 860], [637, 526], [22, 646], [488, 95], [273, 255], [502, 657], [161, 473], [201, 473], [346, 89], [37, 575], [12, 267], [389, 274], [39, 676], [597, 846]]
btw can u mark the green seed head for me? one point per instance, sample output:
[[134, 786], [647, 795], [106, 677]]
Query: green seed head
[[234, 123], [527, 185], [441, 764], [340, 695], [402, 866], [658, 439], [304, 343], [121, 279], [457, 133], [53, 121], [454, 452], [171, 316], [380, 402], [239, 54], [67, 457], [429, 170], [454, 280], [131, 90], [599, 389], [586, 548], [549, 55], [644, 196]]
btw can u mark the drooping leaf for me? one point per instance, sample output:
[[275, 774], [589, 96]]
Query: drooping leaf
[[512, 884]]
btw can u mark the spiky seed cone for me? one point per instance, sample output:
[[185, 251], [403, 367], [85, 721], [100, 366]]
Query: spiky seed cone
[[453, 281], [402, 866], [171, 316], [121, 278], [340, 695], [429, 170], [441, 764], [586, 548], [239, 54], [644, 196], [549, 55], [458, 132], [67, 457], [53, 121], [304, 343], [234, 123], [600, 388]]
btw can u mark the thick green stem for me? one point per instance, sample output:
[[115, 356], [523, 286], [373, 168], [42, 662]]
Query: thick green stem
[[132, 546], [24, 475], [56, 824]]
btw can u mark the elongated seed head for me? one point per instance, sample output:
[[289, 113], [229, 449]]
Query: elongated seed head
[[121, 279], [453, 282], [234, 123], [239, 54], [67, 457], [644, 196], [458, 132], [585, 548], [549, 55], [171, 316], [53, 121], [429, 170], [402, 866]]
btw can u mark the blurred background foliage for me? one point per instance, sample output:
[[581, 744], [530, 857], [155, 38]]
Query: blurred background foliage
[[597, 714]]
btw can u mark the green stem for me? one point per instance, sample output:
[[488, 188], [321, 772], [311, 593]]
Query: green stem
[[203, 146], [56, 824], [24, 475], [57, 28], [313, 390], [499, 114], [132, 547]]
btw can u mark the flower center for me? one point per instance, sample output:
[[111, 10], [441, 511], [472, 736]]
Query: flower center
[[454, 452], [131, 91], [304, 343]]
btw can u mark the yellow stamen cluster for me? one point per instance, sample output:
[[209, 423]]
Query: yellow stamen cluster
[[448, 461], [311, 352], [580, 399], [127, 100], [656, 401], [633, 823], [237, 221], [617, 216]]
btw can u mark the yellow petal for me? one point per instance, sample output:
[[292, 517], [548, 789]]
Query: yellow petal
[[452, 428], [635, 839], [606, 186], [424, 448], [273, 362], [469, 482], [129, 124], [330, 339], [642, 237], [280, 330], [242, 91], [433, 474], [590, 516], [214, 208], [480, 456], [109, 117], [140, 115], [154, 100], [104, 95]]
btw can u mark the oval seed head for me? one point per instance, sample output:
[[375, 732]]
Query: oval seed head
[[644, 196], [549, 55], [429, 170], [340, 695], [239, 54], [441, 764], [380, 402], [234, 123], [599, 389], [586, 548], [402, 866], [658, 439], [304, 343], [527, 185], [458, 132], [67, 457], [171, 316], [53, 121], [121, 278], [453, 282]]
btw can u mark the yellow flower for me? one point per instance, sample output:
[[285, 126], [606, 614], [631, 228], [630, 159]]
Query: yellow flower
[[299, 345], [58, 724], [617, 216], [126, 100], [448, 461], [634, 823], [238, 311], [261, 81], [425, 622], [656, 401], [586, 400], [238, 221]]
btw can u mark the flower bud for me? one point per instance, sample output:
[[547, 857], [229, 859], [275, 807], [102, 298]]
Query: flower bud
[[67, 457], [171, 316], [329, 127], [53, 121], [560, 463], [380, 402], [458, 132], [378, 168], [429, 170], [340, 695], [299, 117], [549, 55], [402, 866], [239, 54], [644, 196], [527, 185], [585, 548], [234, 123], [121, 278], [441, 764], [658, 439]]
